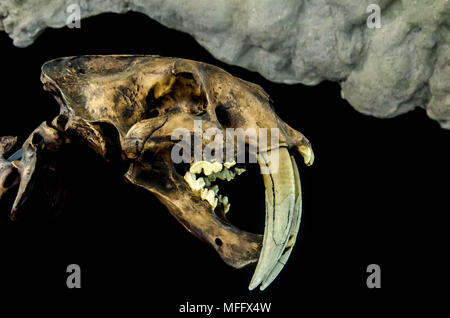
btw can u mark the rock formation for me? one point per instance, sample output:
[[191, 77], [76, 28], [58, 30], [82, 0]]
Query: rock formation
[[383, 71]]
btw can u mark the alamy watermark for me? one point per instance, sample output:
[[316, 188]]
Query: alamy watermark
[[374, 279], [374, 19], [73, 19], [237, 142], [74, 278]]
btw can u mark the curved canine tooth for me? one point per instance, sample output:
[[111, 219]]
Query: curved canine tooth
[[280, 204], [208, 167], [294, 230]]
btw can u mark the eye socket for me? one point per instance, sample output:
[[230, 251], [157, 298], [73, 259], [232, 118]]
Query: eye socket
[[152, 105], [223, 116], [37, 138]]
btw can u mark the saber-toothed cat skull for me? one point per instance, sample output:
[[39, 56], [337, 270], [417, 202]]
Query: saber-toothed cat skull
[[145, 99]]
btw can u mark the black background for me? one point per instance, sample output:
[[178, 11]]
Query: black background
[[376, 194]]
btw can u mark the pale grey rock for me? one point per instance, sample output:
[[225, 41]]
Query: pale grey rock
[[383, 72]]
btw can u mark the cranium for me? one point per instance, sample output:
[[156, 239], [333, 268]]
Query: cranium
[[127, 108]]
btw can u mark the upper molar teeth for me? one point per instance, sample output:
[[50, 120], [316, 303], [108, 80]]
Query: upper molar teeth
[[208, 167], [239, 171], [215, 189], [229, 164], [226, 175], [196, 185]]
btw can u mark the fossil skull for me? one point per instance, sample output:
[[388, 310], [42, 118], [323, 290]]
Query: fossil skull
[[143, 100]]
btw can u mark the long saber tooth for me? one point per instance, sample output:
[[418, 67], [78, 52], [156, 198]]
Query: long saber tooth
[[280, 205], [294, 230]]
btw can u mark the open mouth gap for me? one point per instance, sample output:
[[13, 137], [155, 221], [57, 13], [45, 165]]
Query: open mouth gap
[[234, 192], [246, 193]]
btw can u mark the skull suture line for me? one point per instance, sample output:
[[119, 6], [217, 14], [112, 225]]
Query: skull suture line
[[145, 98]]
